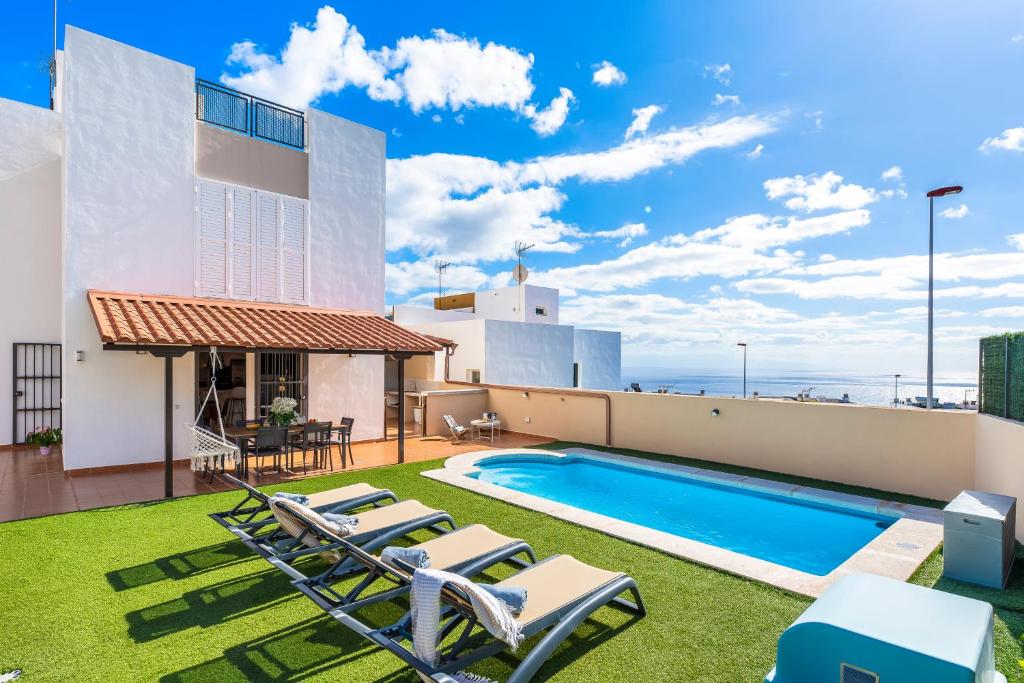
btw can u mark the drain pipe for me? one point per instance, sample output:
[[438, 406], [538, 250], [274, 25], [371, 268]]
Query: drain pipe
[[449, 351]]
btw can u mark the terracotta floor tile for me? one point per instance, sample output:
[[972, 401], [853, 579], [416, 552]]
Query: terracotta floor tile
[[34, 485]]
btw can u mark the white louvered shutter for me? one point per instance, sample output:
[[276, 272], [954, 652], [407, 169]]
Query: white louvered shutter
[[243, 243], [212, 234], [293, 250], [268, 247]]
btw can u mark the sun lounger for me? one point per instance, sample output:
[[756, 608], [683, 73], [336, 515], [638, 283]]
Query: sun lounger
[[296, 531], [468, 551], [457, 430], [562, 592], [343, 499]]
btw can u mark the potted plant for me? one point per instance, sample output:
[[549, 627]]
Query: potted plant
[[45, 438], [282, 411]]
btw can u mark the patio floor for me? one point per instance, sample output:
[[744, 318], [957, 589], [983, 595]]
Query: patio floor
[[32, 485]]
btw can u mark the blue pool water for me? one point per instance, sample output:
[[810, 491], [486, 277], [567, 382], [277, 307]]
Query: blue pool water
[[810, 537]]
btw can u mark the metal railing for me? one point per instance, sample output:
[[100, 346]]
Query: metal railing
[[1001, 376], [249, 115]]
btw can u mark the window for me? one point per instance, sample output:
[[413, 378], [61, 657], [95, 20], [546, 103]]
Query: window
[[250, 244], [575, 375], [540, 310], [281, 373], [473, 376]]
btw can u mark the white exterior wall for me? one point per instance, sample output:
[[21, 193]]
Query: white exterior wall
[[599, 354], [528, 354], [30, 217], [346, 262], [518, 304], [129, 142], [416, 315], [470, 354]]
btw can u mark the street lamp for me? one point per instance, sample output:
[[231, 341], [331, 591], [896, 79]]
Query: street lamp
[[940, 192], [744, 345], [896, 399]]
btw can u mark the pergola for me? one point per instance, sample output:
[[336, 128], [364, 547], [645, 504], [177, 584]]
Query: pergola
[[168, 327]]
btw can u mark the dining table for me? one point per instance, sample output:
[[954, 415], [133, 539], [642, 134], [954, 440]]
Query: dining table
[[245, 439]]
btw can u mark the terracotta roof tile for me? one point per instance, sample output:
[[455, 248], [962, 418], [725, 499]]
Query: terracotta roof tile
[[139, 319]]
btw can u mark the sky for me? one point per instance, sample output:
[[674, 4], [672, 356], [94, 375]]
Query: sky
[[692, 174]]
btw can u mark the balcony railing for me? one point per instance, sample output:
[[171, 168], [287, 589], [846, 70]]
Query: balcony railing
[[249, 115]]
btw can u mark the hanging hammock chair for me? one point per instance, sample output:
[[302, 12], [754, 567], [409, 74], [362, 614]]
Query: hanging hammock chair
[[210, 451]]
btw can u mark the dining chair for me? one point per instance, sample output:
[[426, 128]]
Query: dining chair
[[270, 441], [344, 441], [316, 436]]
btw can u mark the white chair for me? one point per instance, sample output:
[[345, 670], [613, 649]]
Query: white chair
[[458, 431]]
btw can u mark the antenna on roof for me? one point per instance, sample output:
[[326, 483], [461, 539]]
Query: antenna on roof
[[440, 266], [520, 273]]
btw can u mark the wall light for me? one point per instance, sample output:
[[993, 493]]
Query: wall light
[[80, 356], [715, 412], [526, 394]]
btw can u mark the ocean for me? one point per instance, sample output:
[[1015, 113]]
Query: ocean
[[864, 389]]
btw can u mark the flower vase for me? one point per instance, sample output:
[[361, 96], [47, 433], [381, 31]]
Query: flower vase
[[44, 450]]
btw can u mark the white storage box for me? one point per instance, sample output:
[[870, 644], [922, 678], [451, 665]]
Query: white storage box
[[978, 538]]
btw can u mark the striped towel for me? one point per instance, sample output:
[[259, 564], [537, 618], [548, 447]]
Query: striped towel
[[426, 616]]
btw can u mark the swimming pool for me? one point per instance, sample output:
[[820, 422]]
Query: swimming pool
[[804, 535]]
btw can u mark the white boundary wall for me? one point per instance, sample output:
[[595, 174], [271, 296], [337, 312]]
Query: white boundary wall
[[30, 230]]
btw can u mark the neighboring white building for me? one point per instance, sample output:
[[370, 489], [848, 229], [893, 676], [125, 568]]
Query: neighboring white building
[[123, 188], [512, 336]]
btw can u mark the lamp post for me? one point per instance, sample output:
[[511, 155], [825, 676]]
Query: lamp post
[[940, 192], [744, 345], [896, 396]]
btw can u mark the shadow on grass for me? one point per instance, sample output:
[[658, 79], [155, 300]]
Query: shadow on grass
[[180, 566], [210, 606], [294, 652]]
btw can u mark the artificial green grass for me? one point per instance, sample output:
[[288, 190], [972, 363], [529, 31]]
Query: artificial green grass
[[159, 591]]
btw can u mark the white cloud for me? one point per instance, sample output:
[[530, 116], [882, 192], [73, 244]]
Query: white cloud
[[647, 209], [471, 209], [1011, 139], [899, 192], [642, 119], [626, 233], [447, 71], [896, 277], [436, 118], [325, 58], [894, 173], [957, 212], [756, 152], [547, 121], [1003, 312], [1016, 241], [817, 117], [721, 99], [1018, 38], [442, 71], [720, 72], [607, 74], [740, 246], [814, 192], [409, 276]]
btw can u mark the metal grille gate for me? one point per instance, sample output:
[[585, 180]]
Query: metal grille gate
[[281, 373], [37, 388]]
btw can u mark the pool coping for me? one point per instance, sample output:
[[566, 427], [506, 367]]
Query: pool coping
[[896, 553]]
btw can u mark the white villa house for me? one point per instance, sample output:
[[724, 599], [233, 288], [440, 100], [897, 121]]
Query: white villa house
[[150, 216], [512, 336]]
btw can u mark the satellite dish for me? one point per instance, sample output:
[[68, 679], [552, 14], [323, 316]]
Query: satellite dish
[[520, 273]]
